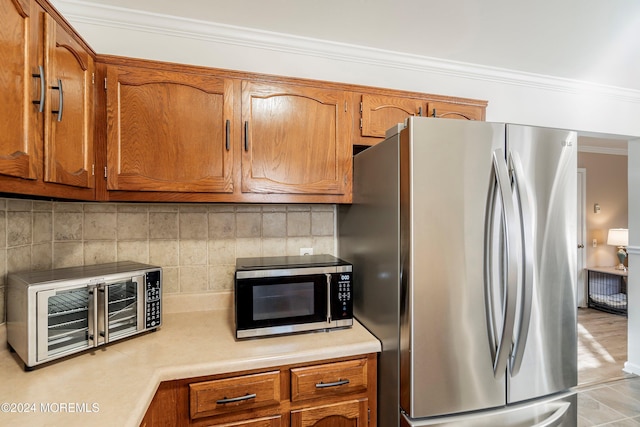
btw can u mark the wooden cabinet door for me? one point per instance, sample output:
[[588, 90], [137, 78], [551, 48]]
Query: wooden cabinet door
[[352, 413], [68, 131], [380, 112], [296, 140], [22, 83], [169, 131], [455, 111], [274, 421]]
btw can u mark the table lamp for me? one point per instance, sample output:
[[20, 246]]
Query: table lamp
[[619, 237]]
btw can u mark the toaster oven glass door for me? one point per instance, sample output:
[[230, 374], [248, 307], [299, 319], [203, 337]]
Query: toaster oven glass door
[[278, 301], [121, 308], [64, 321]]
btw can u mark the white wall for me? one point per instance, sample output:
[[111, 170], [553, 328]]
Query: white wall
[[633, 288], [513, 96]]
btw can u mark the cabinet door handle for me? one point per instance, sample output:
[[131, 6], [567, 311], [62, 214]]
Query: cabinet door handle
[[419, 111], [226, 135], [43, 87], [246, 135], [60, 100], [333, 384], [235, 399]]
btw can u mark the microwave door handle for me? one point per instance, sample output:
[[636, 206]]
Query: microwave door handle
[[328, 297]]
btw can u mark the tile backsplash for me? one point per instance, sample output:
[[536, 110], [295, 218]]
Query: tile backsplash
[[196, 244]]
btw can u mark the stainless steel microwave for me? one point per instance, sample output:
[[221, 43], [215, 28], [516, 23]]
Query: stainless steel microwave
[[290, 294], [59, 312]]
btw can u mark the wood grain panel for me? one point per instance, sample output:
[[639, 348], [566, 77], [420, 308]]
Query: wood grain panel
[[275, 421], [311, 382], [346, 414], [448, 110], [380, 112], [205, 397], [68, 112], [168, 131], [21, 124], [297, 140]]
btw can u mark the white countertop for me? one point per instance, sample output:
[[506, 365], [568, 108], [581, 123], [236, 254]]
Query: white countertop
[[114, 385]]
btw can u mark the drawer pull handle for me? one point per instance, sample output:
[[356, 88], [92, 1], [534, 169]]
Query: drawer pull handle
[[334, 384], [236, 399]]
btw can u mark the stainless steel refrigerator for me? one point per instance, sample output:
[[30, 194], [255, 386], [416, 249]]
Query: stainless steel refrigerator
[[462, 237]]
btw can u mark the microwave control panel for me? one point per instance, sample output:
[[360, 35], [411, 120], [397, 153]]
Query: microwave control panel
[[152, 299], [342, 306]]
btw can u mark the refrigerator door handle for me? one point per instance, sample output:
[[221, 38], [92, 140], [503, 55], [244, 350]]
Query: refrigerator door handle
[[512, 243], [526, 282], [556, 418]]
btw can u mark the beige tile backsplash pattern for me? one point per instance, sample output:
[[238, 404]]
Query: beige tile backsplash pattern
[[196, 244]]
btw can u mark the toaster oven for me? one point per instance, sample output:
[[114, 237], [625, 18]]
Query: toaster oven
[[59, 312]]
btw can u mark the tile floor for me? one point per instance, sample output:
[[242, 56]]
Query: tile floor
[[613, 404]]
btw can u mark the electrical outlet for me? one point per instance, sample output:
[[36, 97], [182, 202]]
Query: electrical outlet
[[306, 251]]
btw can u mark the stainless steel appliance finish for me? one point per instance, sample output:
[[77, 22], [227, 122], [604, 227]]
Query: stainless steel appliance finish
[[55, 313], [462, 235], [290, 294]]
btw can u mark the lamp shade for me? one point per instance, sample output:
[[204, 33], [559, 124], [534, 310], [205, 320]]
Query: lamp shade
[[618, 237]]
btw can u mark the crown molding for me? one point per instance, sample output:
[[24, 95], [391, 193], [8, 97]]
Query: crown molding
[[602, 150], [78, 11]]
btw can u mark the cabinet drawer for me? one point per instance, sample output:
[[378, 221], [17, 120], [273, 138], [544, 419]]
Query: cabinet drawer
[[227, 395], [329, 379]]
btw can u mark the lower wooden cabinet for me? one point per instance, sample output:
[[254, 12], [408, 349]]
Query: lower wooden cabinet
[[274, 421], [228, 395], [343, 414], [329, 393]]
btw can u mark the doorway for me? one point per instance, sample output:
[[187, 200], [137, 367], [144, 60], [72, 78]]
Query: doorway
[[602, 181]]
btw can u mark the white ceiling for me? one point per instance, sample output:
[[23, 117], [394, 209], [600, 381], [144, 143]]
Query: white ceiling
[[596, 41]]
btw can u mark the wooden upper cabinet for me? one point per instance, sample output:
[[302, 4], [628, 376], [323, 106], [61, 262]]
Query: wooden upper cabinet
[[169, 131], [68, 109], [22, 84], [296, 140], [380, 112], [450, 110], [46, 134]]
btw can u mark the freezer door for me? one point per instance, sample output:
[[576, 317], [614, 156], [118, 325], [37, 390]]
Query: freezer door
[[446, 353], [544, 165], [557, 411]]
